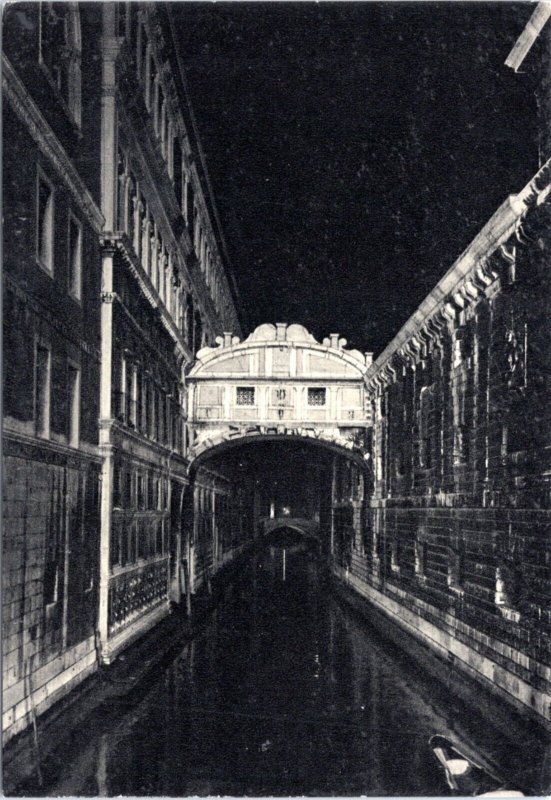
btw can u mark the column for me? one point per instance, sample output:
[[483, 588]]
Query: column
[[106, 448]]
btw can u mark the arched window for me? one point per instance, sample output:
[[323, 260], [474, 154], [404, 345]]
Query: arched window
[[60, 52]]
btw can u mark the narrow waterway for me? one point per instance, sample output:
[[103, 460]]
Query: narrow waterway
[[285, 692]]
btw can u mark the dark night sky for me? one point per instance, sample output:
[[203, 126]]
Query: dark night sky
[[355, 149]]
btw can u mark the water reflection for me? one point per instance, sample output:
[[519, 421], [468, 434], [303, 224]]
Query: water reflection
[[285, 692]]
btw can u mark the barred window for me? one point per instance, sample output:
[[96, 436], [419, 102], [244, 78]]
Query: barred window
[[42, 390], [73, 402], [316, 397], [45, 224], [75, 257], [245, 396]]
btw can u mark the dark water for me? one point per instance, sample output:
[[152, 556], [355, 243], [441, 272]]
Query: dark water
[[285, 692]]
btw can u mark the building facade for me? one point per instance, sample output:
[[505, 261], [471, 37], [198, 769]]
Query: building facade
[[165, 294], [456, 545], [114, 276], [51, 358]]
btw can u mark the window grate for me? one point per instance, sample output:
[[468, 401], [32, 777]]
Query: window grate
[[245, 396], [316, 397]]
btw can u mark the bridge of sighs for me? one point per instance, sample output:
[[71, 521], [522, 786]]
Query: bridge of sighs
[[279, 383]]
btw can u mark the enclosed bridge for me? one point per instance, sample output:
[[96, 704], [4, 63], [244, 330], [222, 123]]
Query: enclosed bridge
[[279, 383]]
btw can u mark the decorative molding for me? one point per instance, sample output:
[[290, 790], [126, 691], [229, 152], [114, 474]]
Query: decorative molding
[[51, 319], [284, 335], [108, 297], [48, 143], [123, 247], [476, 272]]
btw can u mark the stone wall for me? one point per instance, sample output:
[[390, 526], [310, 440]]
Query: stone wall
[[221, 527], [456, 543], [50, 578]]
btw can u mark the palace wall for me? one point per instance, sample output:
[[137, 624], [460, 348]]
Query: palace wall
[[456, 544]]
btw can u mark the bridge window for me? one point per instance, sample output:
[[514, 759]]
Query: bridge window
[[245, 395], [316, 397]]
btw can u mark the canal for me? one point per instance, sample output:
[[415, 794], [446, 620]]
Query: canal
[[285, 691]]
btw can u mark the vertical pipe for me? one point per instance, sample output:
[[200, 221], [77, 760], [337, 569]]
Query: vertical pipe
[[109, 183], [106, 447], [67, 543], [333, 492]]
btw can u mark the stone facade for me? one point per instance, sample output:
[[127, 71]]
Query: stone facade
[[165, 294], [114, 277], [51, 359], [456, 543], [279, 382]]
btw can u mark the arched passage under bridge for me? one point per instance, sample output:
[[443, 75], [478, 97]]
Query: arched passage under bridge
[[273, 414], [313, 490]]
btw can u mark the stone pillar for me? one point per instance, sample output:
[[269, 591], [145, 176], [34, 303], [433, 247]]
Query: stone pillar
[[109, 185], [106, 447], [109, 150]]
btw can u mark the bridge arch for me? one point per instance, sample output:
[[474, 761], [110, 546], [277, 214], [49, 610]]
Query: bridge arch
[[279, 383], [308, 528]]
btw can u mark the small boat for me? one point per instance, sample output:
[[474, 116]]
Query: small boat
[[465, 776]]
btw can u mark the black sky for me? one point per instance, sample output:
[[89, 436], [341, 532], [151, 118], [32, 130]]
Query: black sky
[[355, 149]]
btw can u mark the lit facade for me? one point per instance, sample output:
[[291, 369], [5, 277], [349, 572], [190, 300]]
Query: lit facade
[[114, 277]]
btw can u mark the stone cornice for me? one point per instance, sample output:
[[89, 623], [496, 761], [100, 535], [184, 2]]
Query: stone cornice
[[119, 242], [516, 222], [165, 208], [55, 320], [29, 113]]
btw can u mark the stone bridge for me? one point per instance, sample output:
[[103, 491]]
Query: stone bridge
[[309, 528], [278, 383]]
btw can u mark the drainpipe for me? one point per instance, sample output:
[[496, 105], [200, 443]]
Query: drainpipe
[[333, 490]]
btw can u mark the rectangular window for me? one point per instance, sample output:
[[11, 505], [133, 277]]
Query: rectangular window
[[316, 397], [424, 423], [128, 387], [151, 491], [142, 52], [51, 577], [117, 480], [45, 224], [420, 559], [128, 493], [75, 258], [42, 396], [245, 396], [456, 565], [140, 485], [73, 400]]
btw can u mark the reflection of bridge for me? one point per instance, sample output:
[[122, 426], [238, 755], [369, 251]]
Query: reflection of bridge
[[308, 528], [280, 383]]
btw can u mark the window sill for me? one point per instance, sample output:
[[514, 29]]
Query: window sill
[[50, 609], [44, 267], [509, 613]]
